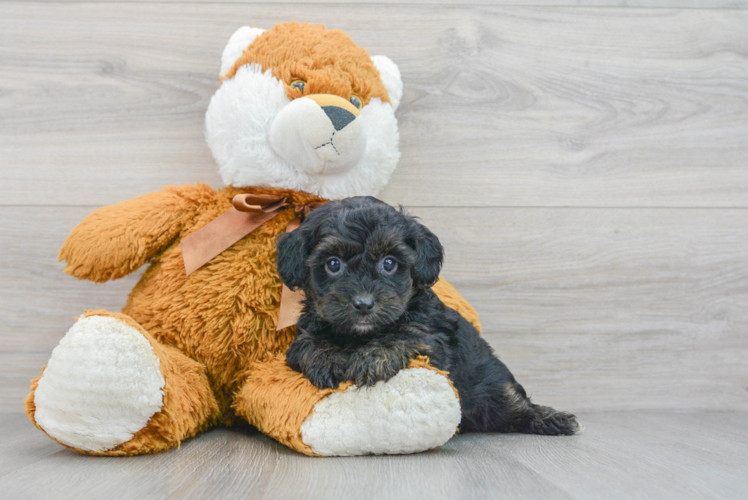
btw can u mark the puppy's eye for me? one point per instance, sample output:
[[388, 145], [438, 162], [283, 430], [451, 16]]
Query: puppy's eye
[[333, 266], [298, 85], [389, 265], [356, 101]]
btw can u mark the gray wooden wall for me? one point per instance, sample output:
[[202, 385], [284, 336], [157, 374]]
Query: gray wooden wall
[[586, 166]]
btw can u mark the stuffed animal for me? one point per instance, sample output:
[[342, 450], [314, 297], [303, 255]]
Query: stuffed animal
[[303, 115]]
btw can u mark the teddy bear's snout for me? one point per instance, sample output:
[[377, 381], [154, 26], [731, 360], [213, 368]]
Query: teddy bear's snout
[[319, 134]]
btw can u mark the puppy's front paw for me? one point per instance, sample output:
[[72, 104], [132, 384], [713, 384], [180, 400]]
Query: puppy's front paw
[[326, 375], [321, 364], [373, 365]]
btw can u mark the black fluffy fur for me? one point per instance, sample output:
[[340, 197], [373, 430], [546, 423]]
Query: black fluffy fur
[[337, 342]]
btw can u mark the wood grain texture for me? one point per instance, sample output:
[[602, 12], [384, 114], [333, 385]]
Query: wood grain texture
[[619, 455], [591, 308], [20, 445], [680, 4], [651, 455], [504, 106]]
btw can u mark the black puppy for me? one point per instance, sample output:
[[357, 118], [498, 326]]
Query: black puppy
[[367, 271]]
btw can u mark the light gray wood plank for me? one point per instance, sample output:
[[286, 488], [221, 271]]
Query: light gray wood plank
[[680, 4], [631, 455], [504, 106], [21, 444], [592, 309], [227, 463], [619, 455]]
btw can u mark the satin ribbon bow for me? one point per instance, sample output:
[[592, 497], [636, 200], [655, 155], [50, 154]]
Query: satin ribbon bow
[[249, 212]]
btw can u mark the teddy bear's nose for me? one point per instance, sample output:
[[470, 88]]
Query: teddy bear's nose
[[338, 116]]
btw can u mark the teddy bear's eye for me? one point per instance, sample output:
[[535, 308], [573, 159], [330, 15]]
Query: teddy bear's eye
[[356, 101], [298, 85]]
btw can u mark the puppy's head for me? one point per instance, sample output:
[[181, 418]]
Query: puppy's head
[[359, 261]]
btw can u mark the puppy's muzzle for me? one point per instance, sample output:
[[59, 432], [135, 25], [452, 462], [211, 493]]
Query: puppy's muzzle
[[319, 134]]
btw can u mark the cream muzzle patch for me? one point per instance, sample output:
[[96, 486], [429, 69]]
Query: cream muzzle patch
[[319, 134]]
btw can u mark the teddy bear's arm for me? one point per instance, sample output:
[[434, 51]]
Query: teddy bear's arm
[[414, 411], [453, 299], [115, 240]]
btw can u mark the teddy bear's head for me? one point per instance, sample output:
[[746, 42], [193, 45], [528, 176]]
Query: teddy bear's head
[[302, 107]]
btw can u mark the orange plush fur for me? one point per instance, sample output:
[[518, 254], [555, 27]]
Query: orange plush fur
[[333, 63]]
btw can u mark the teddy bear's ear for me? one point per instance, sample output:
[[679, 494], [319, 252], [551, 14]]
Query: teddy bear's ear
[[238, 43], [390, 74]]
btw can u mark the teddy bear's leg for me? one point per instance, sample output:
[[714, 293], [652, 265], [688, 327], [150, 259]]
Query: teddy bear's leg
[[110, 388], [416, 410]]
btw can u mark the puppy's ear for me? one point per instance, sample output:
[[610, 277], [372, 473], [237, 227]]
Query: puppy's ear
[[429, 254], [292, 254]]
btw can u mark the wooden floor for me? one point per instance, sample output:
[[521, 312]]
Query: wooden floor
[[619, 455], [584, 162]]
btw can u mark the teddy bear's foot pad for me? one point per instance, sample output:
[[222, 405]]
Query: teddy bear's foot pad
[[102, 384], [416, 410]]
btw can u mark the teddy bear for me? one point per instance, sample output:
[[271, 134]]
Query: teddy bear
[[303, 115]]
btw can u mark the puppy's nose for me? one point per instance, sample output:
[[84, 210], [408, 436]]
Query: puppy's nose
[[363, 303]]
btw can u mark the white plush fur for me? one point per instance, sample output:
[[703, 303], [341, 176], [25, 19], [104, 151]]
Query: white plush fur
[[414, 411], [391, 78], [238, 124], [101, 385], [238, 43]]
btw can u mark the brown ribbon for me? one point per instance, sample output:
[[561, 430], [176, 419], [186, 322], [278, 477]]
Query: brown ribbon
[[249, 212]]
